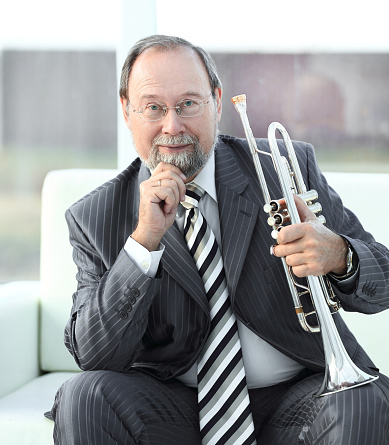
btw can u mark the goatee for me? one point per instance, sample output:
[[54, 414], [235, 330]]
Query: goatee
[[189, 161]]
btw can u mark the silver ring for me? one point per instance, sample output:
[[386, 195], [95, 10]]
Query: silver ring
[[159, 183]]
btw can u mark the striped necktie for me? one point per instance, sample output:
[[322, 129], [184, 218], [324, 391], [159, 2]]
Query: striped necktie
[[224, 405]]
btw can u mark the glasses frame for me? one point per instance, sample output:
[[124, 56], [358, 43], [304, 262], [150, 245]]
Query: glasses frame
[[165, 109]]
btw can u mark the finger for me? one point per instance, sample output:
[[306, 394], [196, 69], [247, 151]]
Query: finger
[[303, 210], [159, 191], [297, 261], [285, 250], [169, 172], [302, 271], [289, 234], [169, 192], [164, 167]]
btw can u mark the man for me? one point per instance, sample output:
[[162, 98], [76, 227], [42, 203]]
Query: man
[[145, 320]]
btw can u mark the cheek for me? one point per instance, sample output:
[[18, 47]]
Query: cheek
[[142, 137], [211, 128], [207, 127]]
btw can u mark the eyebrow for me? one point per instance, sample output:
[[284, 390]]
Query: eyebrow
[[186, 94]]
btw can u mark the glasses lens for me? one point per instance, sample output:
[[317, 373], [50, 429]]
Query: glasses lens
[[153, 112], [190, 108]]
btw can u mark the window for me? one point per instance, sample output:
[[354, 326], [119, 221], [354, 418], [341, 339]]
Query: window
[[59, 111]]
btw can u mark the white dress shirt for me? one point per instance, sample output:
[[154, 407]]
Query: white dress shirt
[[264, 365]]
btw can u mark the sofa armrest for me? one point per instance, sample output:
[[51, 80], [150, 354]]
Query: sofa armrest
[[19, 331]]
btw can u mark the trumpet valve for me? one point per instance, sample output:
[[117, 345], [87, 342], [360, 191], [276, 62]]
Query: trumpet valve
[[309, 196], [322, 219], [275, 205], [278, 219], [314, 207]]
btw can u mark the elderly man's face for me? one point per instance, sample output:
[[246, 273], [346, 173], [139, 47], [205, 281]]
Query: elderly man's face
[[166, 78]]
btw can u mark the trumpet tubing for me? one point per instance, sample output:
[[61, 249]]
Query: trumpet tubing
[[340, 372]]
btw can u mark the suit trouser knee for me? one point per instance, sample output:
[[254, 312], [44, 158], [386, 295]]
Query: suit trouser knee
[[358, 416], [106, 407]]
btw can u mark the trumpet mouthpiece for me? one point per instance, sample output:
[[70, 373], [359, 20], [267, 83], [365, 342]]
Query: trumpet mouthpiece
[[238, 99], [239, 103]]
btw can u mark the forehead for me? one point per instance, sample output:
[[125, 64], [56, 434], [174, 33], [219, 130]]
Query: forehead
[[168, 74]]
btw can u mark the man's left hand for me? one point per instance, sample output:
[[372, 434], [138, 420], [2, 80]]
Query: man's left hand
[[309, 247]]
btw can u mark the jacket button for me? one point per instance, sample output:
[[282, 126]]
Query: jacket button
[[132, 300], [123, 314], [135, 292], [127, 307]]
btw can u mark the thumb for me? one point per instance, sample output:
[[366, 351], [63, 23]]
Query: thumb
[[304, 212]]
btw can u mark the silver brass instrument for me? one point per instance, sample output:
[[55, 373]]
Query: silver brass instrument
[[340, 372]]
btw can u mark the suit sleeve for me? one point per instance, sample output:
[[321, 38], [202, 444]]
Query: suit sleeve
[[109, 313], [371, 291]]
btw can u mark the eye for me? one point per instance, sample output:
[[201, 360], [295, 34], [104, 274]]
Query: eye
[[188, 103], [153, 107]]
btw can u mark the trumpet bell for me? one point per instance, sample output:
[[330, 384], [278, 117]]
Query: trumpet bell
[[341, 376]]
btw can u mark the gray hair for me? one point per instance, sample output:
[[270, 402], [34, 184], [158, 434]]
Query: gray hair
[[166, 43]]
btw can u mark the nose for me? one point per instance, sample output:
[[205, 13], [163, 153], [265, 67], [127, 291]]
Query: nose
[[172, 123]]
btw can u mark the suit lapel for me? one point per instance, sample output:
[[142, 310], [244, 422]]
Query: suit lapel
[[238, 215]]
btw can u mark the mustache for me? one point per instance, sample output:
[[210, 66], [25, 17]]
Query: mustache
[[179, 139]]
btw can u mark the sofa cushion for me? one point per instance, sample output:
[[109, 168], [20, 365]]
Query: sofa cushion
[[365, 194], [19, 327], [22, 420], [60, 190]]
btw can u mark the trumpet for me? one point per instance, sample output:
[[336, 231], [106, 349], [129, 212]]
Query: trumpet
[[340, 372]]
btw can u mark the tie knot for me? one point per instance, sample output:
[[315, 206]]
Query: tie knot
[[192, 196]]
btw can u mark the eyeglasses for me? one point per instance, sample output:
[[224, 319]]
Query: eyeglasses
[[184, 108]]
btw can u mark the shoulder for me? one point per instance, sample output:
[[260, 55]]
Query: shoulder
[[240, 146], [232, 151], [123, 185]]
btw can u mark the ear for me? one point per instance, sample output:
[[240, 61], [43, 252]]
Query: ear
[[218, 95], [124, 103]]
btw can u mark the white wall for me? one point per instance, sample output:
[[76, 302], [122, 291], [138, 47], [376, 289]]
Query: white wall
[[301, 25], [71, 24], [280, 26]]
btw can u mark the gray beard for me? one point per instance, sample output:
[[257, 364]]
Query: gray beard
[[189, 162]]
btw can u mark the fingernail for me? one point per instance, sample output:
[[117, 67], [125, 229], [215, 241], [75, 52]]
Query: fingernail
[[182, 176], [272, 250]]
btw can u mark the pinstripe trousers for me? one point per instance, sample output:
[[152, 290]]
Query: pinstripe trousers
[[107, 407]]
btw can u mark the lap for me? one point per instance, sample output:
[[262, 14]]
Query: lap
[[358, 416], [289, 413], [131, 407]]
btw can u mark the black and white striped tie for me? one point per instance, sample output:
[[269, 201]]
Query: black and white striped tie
[[224, 405]]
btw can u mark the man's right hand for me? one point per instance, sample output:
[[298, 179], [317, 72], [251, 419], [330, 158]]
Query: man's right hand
[[159, 198]]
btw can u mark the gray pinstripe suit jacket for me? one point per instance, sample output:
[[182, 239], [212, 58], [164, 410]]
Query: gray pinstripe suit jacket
[[121, 319]]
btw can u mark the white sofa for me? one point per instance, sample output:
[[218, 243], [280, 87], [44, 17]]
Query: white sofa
[[34, 360], [33, 314]]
